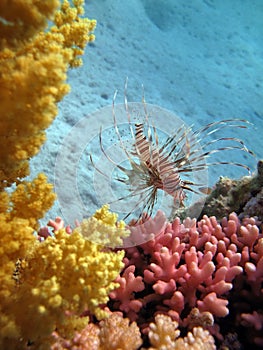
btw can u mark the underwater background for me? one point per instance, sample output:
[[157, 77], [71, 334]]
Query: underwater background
[[201, 60], [81, 277]]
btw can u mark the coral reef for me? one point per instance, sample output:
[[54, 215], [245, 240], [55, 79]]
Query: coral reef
[[34, 59], [198, 278], [22, 20], [164, 332], [104, 229], [75, 275], [62, 276], [192, 264], [243, 196], [38, 44], [20, 211], [112, 333], [192, 285], [117, 332]]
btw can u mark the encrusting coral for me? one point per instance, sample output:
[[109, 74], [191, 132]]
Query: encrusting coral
[[243, 196], [34, 59]]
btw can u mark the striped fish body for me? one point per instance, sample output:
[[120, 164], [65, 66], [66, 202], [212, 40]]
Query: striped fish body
[[163, 174]]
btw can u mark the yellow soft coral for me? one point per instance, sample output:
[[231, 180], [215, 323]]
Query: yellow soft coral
[[21, 20], [35, 55], [31, 200], [16, 240], [33, 71], [74, 29], [103, 228], [64, 274]]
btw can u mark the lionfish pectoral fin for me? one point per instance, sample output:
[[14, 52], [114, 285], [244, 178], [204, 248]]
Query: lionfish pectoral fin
[[96, 168]]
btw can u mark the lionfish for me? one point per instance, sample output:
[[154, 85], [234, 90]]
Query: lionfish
[[156, 166]]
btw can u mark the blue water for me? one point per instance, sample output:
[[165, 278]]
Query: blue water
[[201, 60]]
